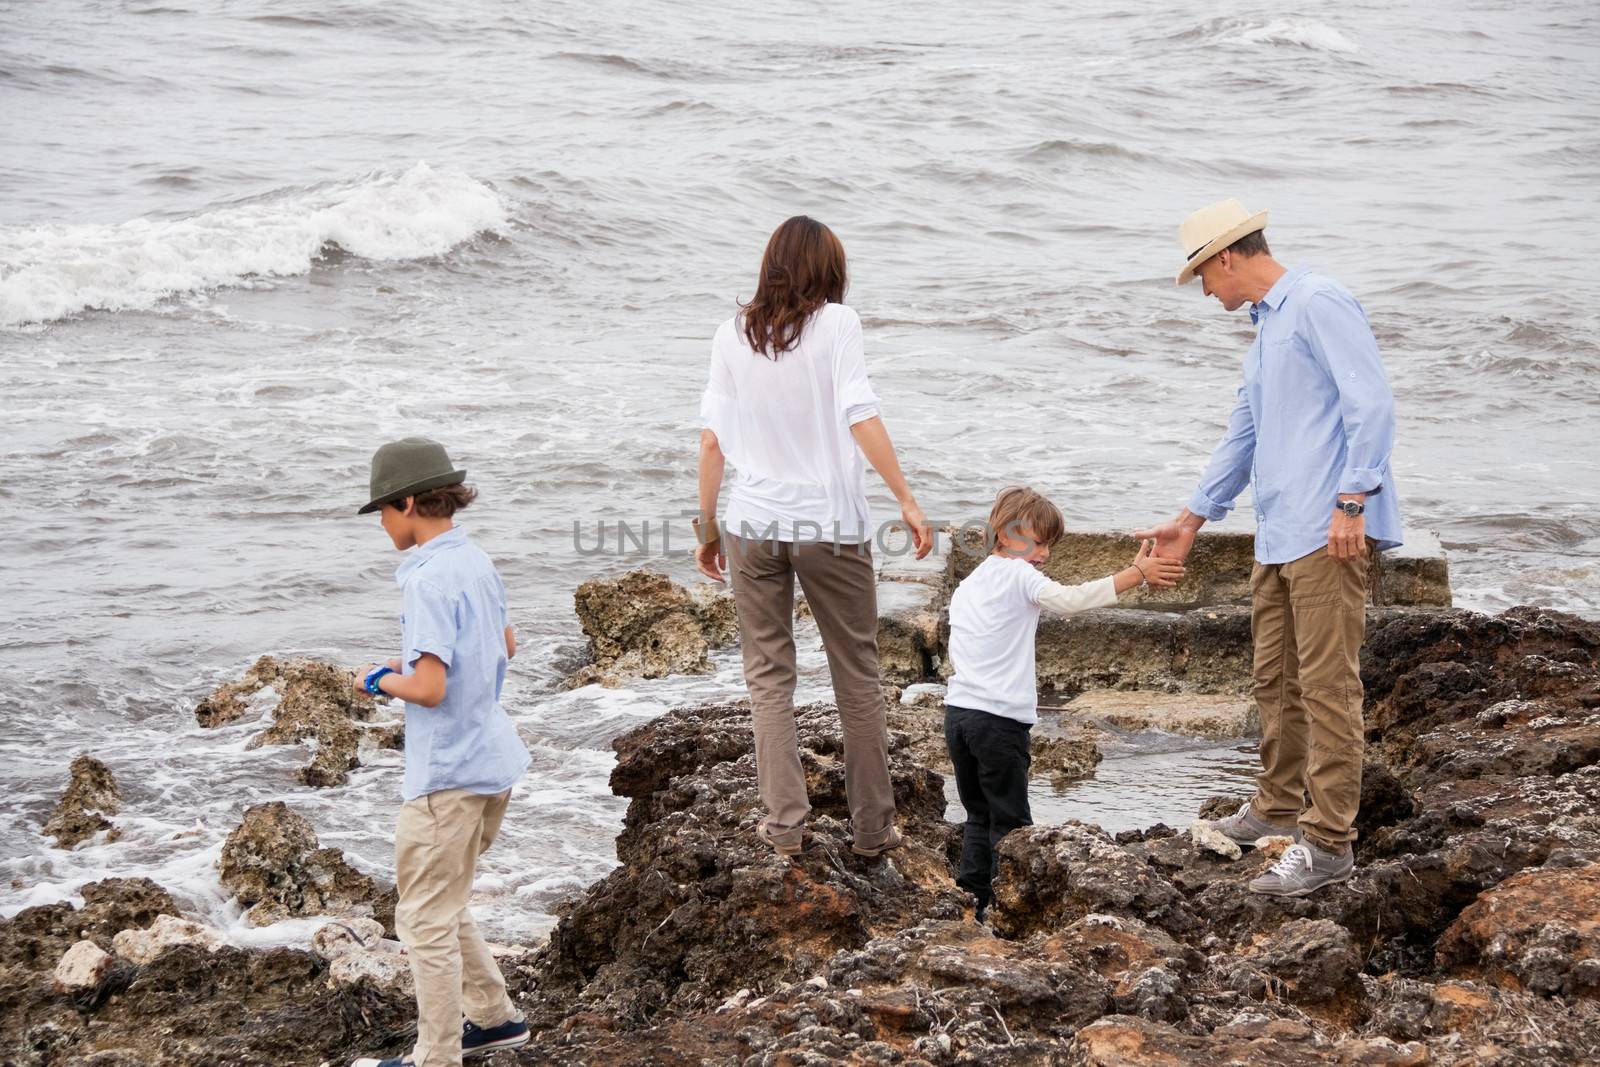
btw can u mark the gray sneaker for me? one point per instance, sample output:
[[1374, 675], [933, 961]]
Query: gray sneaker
[[1303, 869], [1246, 827]]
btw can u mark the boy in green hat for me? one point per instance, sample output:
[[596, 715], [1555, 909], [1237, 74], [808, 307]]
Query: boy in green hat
[[463, 754]]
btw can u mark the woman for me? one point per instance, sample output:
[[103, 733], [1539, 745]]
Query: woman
[[790, 404]]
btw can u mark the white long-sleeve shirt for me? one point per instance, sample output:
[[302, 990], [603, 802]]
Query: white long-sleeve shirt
[[994, 614], [784, 425]]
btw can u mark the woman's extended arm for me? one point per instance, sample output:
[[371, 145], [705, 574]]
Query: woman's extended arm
[[873, 438], [709, 557]]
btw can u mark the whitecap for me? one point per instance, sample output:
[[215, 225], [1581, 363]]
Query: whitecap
[[1301, 33], [52, 271]]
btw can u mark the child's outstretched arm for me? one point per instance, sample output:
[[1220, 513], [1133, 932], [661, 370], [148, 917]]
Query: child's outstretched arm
[[1065, 600]]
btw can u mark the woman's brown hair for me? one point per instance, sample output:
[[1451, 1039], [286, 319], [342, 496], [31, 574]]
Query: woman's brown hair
[[802, 269]]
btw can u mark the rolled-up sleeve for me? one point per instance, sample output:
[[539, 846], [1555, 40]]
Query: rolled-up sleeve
[[857, 401], [1229, 470], [430, 623], [1341, 341]]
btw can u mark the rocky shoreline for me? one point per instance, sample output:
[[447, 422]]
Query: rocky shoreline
[[1470, 932]]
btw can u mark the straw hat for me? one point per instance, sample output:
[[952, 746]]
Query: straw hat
[[1211, 229]]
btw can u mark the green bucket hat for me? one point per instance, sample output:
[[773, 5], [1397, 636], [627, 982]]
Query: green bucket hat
[[407, 467]]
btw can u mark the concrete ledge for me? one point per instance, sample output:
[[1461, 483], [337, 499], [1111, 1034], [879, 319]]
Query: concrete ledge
[[1192, 639]]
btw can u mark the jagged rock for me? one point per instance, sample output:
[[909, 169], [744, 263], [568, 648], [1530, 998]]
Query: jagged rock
[[1459, 1016], [1051, 876], [346, 936], [273, 864], [315, 701], [81, 812], [143, 945], [1124, 1041], [701, 907], [1219, 807], [83, 967], [230, 701], [1307, 961], [1066, 758], [643, 624], [1537, 931], [190, 1006]]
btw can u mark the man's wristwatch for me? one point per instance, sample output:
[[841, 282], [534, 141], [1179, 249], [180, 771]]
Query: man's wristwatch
[[1351, 508]]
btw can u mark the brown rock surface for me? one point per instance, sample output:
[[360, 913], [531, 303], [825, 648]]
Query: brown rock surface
[[703, 947], [91, 795], [1537, 931], [316, 701], [643, 624]]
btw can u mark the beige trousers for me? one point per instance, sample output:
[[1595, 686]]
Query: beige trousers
[[1308, 618], [436, 848], [842, 591]]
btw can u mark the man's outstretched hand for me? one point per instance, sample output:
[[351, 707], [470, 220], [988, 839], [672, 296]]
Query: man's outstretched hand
[[1173, 539]]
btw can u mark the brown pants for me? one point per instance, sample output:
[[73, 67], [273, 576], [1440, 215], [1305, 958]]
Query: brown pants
[[1308, 618], [842, 591], [436, 848]]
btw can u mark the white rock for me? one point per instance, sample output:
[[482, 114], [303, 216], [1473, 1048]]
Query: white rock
[[816, 981], [346, 936], [143, 946], [734, 1002], [499, 951], [1206, 836], [82, 967], [386, 970]]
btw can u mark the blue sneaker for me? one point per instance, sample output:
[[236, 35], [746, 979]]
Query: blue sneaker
[[481, 1040]]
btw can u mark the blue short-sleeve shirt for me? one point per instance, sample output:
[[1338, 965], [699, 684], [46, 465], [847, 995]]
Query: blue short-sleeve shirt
[[453, 605]]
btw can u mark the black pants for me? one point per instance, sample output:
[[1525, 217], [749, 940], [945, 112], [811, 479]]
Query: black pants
[[990, 756]]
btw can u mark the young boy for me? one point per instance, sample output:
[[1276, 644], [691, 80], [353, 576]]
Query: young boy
[[463, 754], [991, 702]]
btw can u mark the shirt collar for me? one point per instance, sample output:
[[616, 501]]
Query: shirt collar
[[427, 550], [1280, 289]]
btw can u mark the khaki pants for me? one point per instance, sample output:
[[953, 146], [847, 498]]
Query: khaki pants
[[1308, 618], [436, 848], [842, 592]]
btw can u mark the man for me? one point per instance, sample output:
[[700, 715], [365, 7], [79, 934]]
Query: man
[[1311, 431]]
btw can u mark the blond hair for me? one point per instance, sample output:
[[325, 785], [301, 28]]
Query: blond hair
[[1017, 508]]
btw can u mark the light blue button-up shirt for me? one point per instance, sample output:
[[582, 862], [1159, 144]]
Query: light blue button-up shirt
[[1314, 418], [454, 606]]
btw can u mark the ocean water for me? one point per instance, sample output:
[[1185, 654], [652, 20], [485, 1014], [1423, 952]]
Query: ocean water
[[241, 245]]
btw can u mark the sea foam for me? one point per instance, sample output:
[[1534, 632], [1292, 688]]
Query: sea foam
[[52, 271]]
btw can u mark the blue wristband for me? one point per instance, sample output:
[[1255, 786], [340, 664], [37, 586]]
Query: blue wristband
[[371, 684]]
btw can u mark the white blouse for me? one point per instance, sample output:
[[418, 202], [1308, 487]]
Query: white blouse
[[784, 425]]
